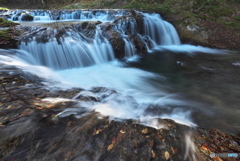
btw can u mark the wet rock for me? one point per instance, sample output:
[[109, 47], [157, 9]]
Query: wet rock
[[193, 28], [7, 39], [216, 141], [41, 34], [139, 44], [139, 19], [26, 17], [193, 34], [88, 28], [23, 16], [87, 98], [115, 40]]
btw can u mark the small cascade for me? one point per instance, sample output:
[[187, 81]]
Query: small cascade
[[127, 27], [160, 31], [130, 49], [69, 51], [40, 15], [155, 32]]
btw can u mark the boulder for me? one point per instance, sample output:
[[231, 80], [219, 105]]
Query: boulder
[[115, 39], [88, 28], [26, 17], [140, 46], [192, 34]]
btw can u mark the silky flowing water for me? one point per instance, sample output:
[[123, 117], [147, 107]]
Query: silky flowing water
[[192, 85]]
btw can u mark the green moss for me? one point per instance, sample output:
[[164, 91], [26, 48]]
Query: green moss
[[5, 35], [6, 23], [3, 8], [237, 18], [84, 24]]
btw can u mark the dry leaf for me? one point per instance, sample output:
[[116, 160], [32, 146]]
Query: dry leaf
[[167, 155], [123, 132], [110, 147], [68, 155], [204, 147], [145, 131], [153, 154], [173, 150], [97, 131]]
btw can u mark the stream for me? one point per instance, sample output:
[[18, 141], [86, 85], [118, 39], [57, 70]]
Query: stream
[[192, 85]]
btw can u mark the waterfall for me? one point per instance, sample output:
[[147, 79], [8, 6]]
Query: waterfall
[[75, 49], [129, 48], [160, 31]]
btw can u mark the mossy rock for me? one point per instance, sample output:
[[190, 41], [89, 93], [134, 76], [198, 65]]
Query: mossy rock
[[84, 24], [7, 39], [27, 17], [6, 23]]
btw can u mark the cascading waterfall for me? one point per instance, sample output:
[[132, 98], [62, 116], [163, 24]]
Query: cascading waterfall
[[77, 50], [74, 50], [129, 48]]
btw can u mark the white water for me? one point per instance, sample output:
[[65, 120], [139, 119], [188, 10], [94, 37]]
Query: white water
[[126, 81], [75, 50], [189, 49], [160, 31]]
